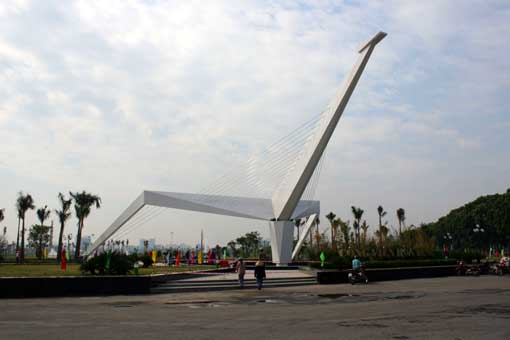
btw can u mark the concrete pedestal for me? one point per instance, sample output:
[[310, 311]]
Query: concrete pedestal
[[282, 233]]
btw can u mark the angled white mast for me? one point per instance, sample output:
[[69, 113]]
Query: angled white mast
[[285, 203], [293, 185]]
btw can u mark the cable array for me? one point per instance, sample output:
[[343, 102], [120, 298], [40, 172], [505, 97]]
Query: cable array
[[258, 177]]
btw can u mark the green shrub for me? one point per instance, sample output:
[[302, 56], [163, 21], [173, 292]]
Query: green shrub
[[467, 256], [345, 262], [334, 261], [147, 260], [94, 265], [120, 264], [409, 263]]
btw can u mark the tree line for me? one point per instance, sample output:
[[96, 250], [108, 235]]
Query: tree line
[[38, 234], [480, 224], [349, 239]]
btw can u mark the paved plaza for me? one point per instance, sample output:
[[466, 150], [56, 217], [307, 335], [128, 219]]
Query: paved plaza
[[442, 308], [273, 274]]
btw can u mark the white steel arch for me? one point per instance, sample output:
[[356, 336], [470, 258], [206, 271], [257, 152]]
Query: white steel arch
[[286, 202]]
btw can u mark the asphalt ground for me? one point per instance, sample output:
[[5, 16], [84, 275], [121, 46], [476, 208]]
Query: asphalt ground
[[440, 308]]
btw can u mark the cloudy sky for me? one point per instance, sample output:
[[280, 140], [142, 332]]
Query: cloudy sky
[[114, 97]]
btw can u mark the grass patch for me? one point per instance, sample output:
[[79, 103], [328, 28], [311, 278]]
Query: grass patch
[[73, 269], [27, 270], [169, 269]]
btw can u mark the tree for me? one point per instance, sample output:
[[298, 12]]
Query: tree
[[43, 214], [63, 214], [401, 216], [331, 217], [364, 227], [243, 244], [232, 246], [297, 224], [253, 239], [317, 234], [334, 225], [83, 201], [490, 212], [3, 240], [249, 243], [345, 229], [23, 203], [310, 233], [39, 238], [357, 213], [380, 233], [3, 245], [19, 224]]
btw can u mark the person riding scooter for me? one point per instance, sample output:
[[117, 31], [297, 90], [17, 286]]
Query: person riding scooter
[[356, 264], [357, 273], [461, 268]]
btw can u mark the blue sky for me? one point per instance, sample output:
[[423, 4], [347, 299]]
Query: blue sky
[[115, 97]]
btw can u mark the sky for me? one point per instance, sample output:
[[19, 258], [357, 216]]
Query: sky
[[116, 97]]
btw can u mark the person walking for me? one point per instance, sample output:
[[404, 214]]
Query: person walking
[[260, 273], [241, 270]]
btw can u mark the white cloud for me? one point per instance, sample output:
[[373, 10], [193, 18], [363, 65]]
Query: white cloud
[[119, 96]]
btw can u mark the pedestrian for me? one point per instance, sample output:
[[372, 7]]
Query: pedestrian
[[187, 256], [260, 273], [241, 270]]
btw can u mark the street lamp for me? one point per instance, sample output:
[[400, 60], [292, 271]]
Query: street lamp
[[447, 239], [479, 231]]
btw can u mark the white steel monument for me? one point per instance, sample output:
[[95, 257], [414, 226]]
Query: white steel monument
[[286, 203]]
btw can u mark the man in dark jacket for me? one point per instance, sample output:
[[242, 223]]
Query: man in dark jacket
[[260, 273]]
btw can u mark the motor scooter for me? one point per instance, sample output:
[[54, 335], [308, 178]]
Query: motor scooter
[[357, 276], [460, 270], [473, 270]]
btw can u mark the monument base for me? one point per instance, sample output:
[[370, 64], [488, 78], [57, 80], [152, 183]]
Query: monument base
[[282, 234]]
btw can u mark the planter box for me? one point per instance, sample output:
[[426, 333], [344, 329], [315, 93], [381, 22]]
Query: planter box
[[388, 274]]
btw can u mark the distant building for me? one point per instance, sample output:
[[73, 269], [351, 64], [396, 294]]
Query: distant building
[[151, 245], [86, 242]]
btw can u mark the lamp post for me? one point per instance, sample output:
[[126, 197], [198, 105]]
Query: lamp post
[[479, 231], [447, 240]]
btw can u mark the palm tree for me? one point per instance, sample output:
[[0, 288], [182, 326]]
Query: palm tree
[[23, 203], [42, 215], [63, 215], [232, 246], [384, 235], [310, 234], [297, 224], [83, 201], [337, 222], [2, 216], [345, 229], [364, 227], [317, 234], [401, 215], [19, 223], [331, 217], [358, 213], [381, 213]]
